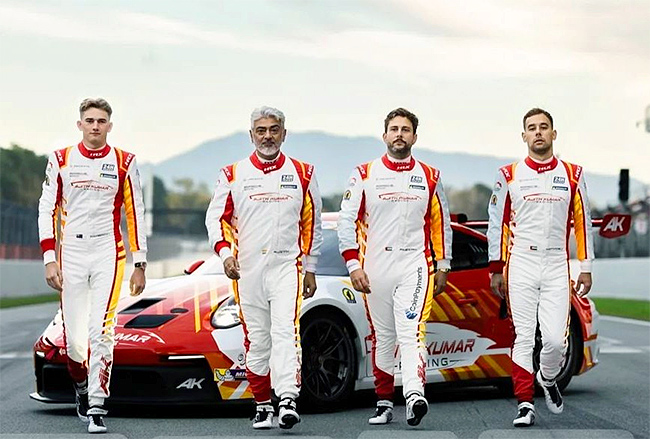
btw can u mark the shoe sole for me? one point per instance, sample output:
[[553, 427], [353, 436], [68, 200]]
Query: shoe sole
[[96, 430], [420, 409], [524, 424], [388, 421], [288, 422]]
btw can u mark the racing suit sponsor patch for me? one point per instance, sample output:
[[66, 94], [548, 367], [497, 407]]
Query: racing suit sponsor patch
[[412, 311]]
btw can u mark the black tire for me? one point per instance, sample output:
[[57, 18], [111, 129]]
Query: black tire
[[573, 353], [329, 359]]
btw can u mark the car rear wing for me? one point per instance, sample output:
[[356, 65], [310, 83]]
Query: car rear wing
[[612, 225]]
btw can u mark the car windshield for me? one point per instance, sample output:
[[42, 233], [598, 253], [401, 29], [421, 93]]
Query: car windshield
[[330, 262]]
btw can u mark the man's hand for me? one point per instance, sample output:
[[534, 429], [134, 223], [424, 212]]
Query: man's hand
[[360, 281], [440, 280], [498, 285], [308, 285], [53, 276], [583, 285], [137, 282], [231, 268]]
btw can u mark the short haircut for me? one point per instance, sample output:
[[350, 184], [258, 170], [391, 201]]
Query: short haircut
[[535, 111], [95, 103], [403, 112], [264, 112]]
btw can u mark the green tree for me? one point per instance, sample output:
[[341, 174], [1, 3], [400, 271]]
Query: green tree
[[21, 175]]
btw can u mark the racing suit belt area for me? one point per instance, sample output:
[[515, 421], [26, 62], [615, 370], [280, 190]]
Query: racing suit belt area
[[530, 212], [398, 309]]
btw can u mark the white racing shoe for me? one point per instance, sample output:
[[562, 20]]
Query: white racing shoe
[[96, 420], [525, 415], [416, 407], [263, 419], [552, 394], [383, 413]]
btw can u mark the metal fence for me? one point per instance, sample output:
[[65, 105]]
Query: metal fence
[[18, 232]]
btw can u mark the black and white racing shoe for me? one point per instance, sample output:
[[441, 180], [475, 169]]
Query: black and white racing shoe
[[81, 400], [263, 419], [383, 413], [288, 416], [552, 394], [525, 415], [96, 420], [416, 407]]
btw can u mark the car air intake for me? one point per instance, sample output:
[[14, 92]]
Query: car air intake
[[149, 321], [140, 306]]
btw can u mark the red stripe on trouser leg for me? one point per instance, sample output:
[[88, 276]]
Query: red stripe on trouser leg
[[522, 381], [260, 386], [384, 384], [78, 371]]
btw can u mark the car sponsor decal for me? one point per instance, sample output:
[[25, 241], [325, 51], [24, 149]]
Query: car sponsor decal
[[191, 383], [229, 374], [349, 295], [451, 347]]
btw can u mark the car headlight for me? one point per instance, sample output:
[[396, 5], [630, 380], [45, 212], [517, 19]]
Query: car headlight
[[226, 315]]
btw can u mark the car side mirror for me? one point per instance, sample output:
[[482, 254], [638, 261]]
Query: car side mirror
[[192, 268]]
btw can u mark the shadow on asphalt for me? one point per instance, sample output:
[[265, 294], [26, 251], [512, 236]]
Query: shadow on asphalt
[[245, 409]]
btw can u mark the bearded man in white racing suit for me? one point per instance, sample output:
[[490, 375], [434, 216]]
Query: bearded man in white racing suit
[[264, 221], [394, 221]]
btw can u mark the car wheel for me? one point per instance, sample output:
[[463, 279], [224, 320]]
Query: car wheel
[[573, 353], [329, 359]]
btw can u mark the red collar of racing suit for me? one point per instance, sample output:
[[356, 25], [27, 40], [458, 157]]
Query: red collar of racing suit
[[94, 153], [399, 167], [268, 166], [541, 167]]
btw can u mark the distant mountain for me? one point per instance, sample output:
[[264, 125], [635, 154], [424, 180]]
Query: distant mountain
[[335, 157]]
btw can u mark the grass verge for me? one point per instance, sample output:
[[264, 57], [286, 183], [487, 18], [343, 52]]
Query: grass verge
[[9, 302], [628, 308]]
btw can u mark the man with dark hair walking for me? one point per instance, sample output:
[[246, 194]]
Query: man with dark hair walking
[[394, 221], [532, 205]]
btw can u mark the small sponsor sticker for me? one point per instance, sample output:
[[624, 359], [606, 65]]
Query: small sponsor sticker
[[288, 186], [108, 167], [416, 186], [416, 179], [560, 188], [349, 295], [347, 195], [558, 180], [112, 176], [287, 178]]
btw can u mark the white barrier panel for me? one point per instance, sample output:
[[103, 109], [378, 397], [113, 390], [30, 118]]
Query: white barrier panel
[[621, 278]]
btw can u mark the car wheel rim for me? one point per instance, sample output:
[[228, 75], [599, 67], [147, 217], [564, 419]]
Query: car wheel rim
[[327, 359]]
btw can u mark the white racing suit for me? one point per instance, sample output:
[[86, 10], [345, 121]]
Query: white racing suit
[[394, 220], [89, 188], [268, 216], [530, 212]]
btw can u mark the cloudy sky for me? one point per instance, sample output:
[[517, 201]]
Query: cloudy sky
[[179, 73]]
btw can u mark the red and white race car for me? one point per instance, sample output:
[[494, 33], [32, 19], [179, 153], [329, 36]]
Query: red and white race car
[[181, 341]]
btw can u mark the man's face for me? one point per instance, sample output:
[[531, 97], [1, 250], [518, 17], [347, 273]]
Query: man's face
[[539, 135], [399, 137], [267, 135], [95, 125]]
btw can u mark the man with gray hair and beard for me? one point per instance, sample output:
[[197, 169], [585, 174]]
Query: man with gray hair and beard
[[264, 223]]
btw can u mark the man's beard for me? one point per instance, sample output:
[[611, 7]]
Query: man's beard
[[402, 151], [268, 149]]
